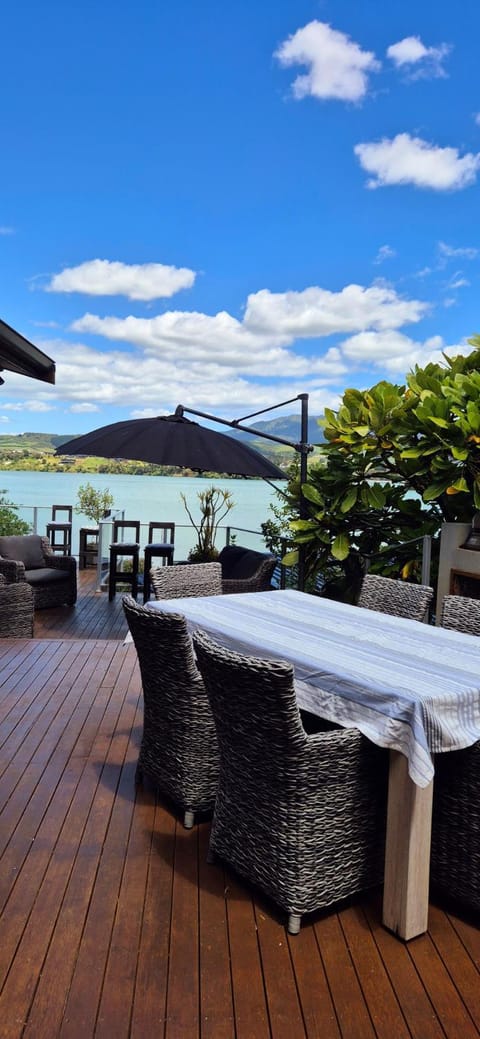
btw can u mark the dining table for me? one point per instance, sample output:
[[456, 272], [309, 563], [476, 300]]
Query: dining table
[[410, 687]]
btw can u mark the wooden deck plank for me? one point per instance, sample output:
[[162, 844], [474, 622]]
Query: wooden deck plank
[[251, 1015], [31, 919], [384, 1009], [216, 998], [407, 984], [183, 994], [314, 994], [93, 801], [112, 921], [350, 1006], [284, 1011], [150, 997]]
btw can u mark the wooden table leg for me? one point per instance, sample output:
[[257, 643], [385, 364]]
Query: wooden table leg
[[407, 856]]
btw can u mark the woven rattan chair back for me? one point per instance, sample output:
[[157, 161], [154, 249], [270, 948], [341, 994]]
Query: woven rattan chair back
[[399, 598], [301, 816], [179, 750], [461, 613], [186, 580]]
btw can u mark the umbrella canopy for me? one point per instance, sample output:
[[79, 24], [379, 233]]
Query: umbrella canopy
[[18, 355], [174, 440]]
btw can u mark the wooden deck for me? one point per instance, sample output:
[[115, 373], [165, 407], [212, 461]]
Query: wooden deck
[[112, 923]]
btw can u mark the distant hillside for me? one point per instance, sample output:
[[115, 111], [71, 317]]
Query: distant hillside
[[288, 426], [47, 442]]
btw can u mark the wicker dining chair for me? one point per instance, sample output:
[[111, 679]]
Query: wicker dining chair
[[399, 598], [300, 816], [184, 580], [179, 750], [455, 849], [461, 614], [455, 853]]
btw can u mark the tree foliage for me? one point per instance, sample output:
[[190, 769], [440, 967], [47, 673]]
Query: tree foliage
[[398, 461], [10, 522], [93, 503]]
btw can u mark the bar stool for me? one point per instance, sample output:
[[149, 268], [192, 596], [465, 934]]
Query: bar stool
[[88, 547], [120, 550], [163, 549], [60, 533]]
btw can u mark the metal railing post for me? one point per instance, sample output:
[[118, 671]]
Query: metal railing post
[[426, 558]]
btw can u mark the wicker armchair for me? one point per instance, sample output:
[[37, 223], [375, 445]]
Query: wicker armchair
[[190, 579], [16, 610], [461, 614], [398, 598], [29, 558], [179, 751], [301, 816], [244, 570], [455, 850]]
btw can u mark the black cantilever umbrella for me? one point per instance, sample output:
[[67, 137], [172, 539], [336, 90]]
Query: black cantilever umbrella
[[174, 440]]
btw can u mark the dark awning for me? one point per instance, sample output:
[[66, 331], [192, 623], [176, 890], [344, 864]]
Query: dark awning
[[18, 355]]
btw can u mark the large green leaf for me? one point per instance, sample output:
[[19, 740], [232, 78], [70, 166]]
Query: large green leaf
[[349, 500], [341, 547], [434, 490], [312, 494]]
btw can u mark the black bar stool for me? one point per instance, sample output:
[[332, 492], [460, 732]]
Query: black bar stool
[[163, 549], [88, 547], [59, 533], [118, 551]]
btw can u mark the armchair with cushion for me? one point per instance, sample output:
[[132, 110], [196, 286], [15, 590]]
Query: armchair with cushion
[[29, 558], [245, 570], [16, 610]]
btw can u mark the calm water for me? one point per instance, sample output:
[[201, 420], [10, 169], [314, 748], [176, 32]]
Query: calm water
[[144, 498]]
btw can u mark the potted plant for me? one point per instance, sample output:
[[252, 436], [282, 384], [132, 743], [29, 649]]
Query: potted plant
[[94, 504], [214, 506]]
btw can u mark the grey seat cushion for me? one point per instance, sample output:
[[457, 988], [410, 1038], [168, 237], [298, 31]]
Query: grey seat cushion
[[46, 575], [25, 548], [239, 563]]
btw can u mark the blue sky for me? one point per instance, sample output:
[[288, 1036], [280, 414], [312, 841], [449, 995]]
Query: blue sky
[[225, 205]]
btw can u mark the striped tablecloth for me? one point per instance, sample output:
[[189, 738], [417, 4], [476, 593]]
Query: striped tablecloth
[[407, 686]]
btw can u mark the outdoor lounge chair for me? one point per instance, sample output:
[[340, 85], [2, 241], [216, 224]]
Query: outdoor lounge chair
[[29, 558], [399, 598], [179, 751], [16, 610], [189, 579], [245, 570], [461, 613], [301, 816]]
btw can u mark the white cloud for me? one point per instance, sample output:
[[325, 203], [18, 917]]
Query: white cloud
[[476, 117], [110, 278], [7, 230], [449, 251], [338, 68], [83, 408], [458, 282], [385, 252], [410, 160], [419, 61], [319, 312], [27, 405], [209, 344], [396, 353]]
